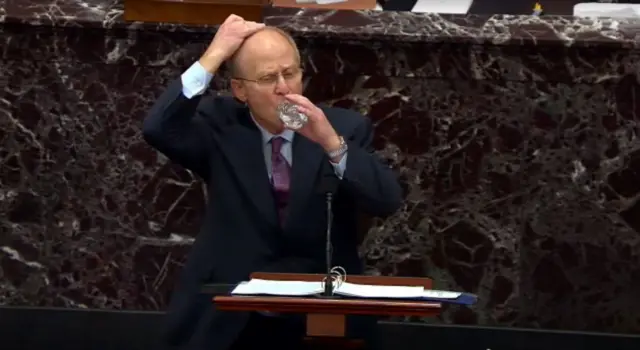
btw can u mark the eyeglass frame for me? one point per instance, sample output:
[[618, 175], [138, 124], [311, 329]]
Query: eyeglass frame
[[274, 77]]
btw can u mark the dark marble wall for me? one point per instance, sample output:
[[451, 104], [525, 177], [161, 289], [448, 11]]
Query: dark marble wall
[[515, 138]]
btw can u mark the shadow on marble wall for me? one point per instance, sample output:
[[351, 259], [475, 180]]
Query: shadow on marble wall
[[520, 167]]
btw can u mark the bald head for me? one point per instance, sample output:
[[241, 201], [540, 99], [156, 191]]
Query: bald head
[[268, 44]]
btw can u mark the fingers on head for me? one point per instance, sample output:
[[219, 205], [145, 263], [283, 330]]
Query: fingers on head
[[253, 27], [233, 18]]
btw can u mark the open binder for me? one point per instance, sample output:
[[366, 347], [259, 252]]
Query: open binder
[[346, 289]]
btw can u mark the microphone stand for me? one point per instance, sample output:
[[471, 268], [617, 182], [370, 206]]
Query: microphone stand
[[328, 186], [328, 283]]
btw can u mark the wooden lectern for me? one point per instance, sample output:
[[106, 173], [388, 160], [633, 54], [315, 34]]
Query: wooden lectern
[[212, 12], [326, 318]]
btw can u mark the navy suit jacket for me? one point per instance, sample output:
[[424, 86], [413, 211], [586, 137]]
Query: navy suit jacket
[[216, 138]]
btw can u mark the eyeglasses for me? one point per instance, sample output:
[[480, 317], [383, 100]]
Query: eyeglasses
[[290, 74]]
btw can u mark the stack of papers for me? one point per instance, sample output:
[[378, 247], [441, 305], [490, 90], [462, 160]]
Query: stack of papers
[[302, 288], [443, 6], [607, 10]]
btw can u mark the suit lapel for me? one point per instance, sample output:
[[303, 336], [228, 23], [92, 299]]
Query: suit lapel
[[241, 142], [307, 158]]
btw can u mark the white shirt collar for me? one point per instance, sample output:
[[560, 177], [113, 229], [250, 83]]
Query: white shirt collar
[[267, 136]]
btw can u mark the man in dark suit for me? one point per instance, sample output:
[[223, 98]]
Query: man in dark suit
[[264, 212]]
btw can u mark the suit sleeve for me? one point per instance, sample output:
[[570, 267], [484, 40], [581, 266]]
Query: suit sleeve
[[175, 126], [373, 184]]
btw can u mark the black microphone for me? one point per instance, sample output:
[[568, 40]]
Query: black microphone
[[328, 186]]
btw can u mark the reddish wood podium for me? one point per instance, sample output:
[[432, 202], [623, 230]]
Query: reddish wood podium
[[326, 318], [214, 12], [193, 11]]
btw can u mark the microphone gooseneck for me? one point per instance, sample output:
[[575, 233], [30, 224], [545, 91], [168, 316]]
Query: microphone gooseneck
[[327, 187], [328, 283]]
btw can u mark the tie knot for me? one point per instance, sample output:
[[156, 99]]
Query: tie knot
[[276, 144]]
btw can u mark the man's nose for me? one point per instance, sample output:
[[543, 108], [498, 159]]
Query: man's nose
[[281, 86]]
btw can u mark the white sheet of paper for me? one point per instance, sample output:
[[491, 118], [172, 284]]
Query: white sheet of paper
[[443, 6], [399, 292], [283, 288], [606, 10], [373, 291], [440, 294]]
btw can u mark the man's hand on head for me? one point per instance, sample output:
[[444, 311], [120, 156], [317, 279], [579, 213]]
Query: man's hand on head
[[227, 40]]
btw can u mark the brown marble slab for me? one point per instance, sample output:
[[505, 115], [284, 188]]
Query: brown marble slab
[[367, 25]]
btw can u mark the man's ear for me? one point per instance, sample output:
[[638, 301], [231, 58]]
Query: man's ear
[[238, 90]]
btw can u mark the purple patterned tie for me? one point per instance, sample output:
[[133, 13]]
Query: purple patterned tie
[[280, 175]]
